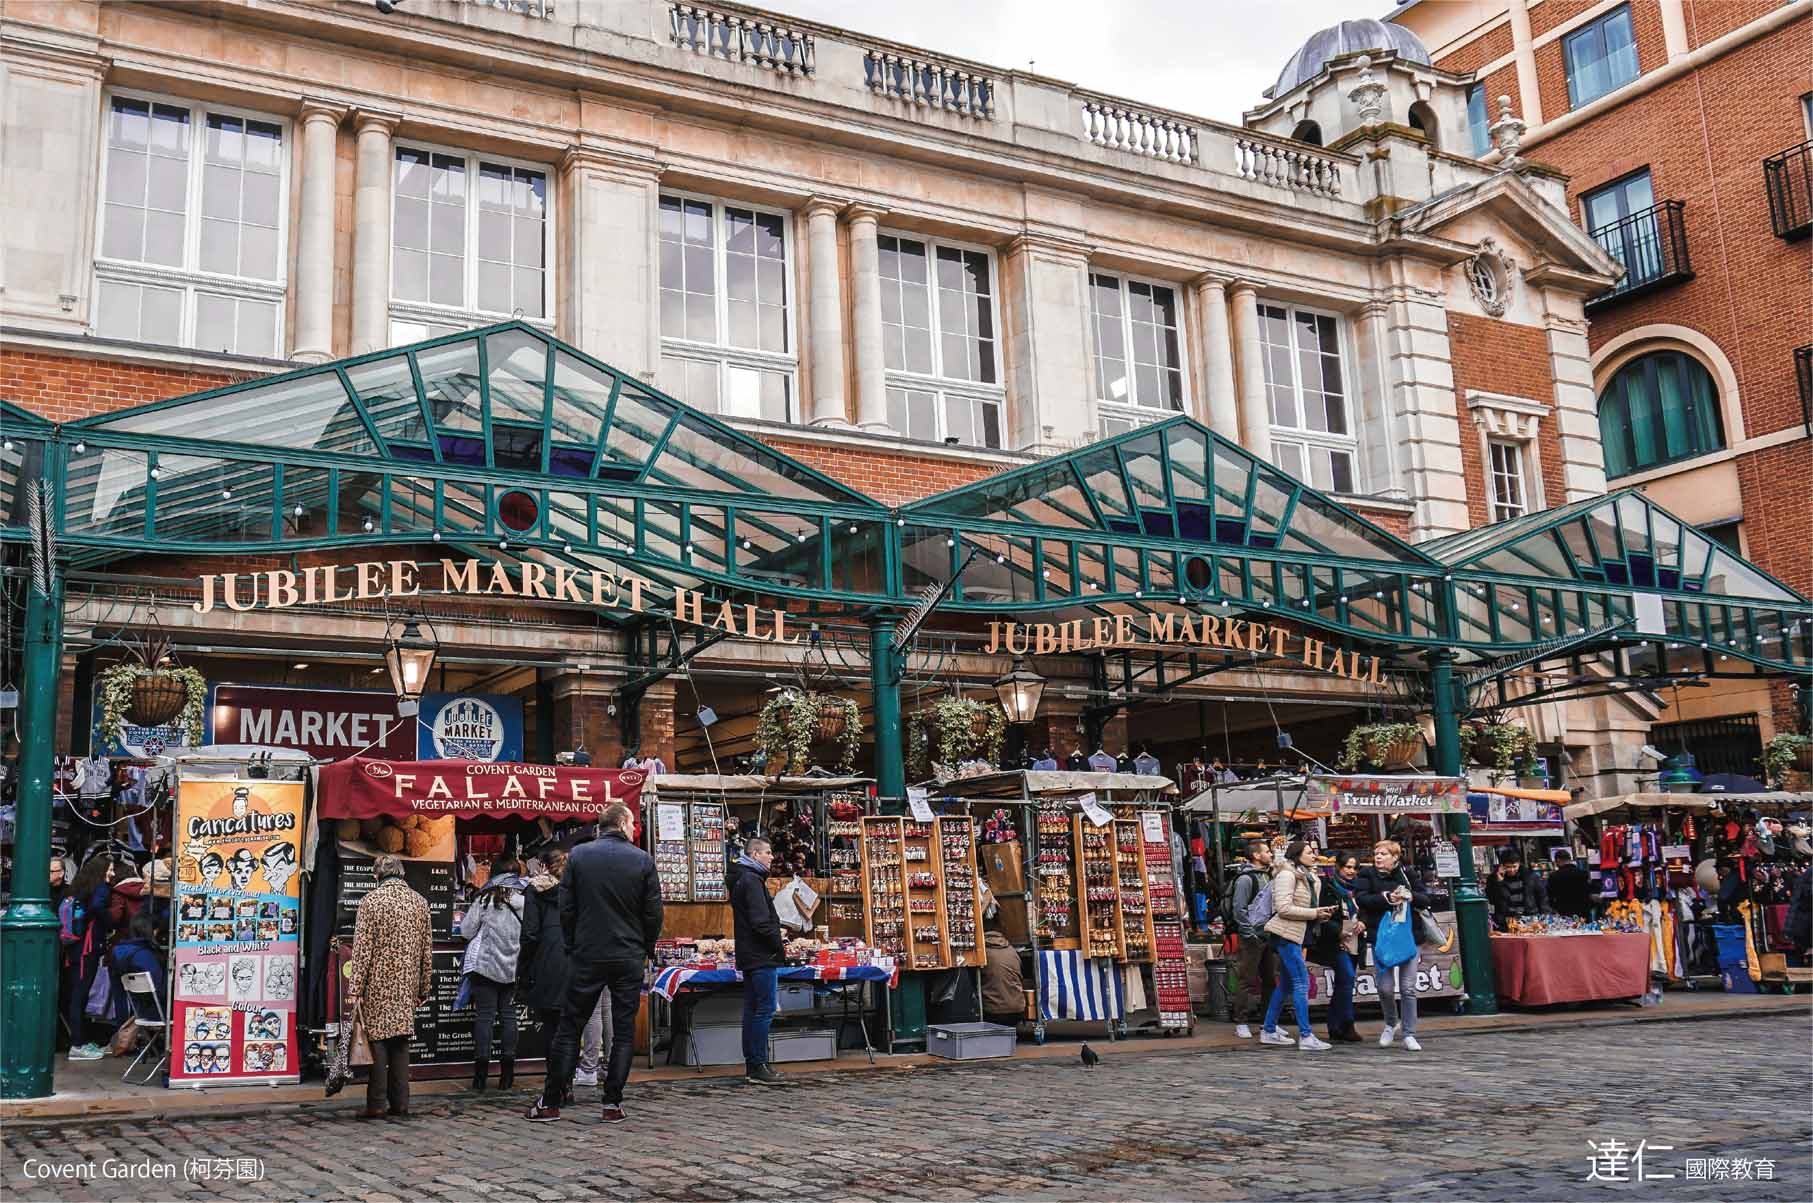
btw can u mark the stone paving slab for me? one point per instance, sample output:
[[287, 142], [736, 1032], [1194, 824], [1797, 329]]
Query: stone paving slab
[[92, 1090], [1499, 1115]]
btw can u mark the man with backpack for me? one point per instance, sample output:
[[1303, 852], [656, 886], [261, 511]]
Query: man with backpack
[[1245, 910]]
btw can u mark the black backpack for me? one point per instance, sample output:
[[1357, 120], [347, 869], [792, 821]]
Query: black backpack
[[1230, 918]]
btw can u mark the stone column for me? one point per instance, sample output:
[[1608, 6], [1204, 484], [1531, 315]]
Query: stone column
[[371, 232], [1381, 429], [827, 301], [314, 339], [1255, 409], [1576, 399], [871, 366], [1674, 29], [1529, 90], [610, 301], [1219, 408]]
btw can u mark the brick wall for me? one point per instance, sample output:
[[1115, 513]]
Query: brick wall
[[1488, 46], [62, 388], [1551, 68], [1551, 14], [1709, 20], [1501, 357], [890, 478], [1778, 511]]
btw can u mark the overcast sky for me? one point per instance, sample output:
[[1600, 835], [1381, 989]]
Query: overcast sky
[[1208, 58]]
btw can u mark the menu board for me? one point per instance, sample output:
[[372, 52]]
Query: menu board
[[443, 1033], [238, 932], [431, 878]]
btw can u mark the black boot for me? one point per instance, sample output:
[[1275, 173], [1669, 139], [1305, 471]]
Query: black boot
[[479, 1068], [506, 1072]]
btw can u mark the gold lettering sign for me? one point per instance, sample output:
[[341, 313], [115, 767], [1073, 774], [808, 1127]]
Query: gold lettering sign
[[1181, 630]]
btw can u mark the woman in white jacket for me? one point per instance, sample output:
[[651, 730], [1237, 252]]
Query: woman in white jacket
[[492, 927], [1294, 893]]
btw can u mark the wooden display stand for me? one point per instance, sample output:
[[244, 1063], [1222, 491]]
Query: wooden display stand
[[920, 888], [1096, 874], [1131, 892], [884, 885], [962, 890]]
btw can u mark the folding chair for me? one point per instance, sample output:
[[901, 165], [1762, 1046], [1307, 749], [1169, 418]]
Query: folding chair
[[141, 992]]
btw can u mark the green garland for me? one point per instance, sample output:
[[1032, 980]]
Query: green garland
[[945, 733], [1369, 742], [787, 727], [114, 689], [1779, 755]]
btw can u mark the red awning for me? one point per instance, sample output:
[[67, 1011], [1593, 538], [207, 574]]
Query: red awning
[[362, 788]]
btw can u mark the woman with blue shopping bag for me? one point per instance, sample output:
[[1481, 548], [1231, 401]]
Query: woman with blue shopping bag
[[1294, 890], [1387, 893]]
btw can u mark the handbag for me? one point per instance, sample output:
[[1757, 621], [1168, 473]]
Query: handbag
[[1351, 932], [1429, 933], [359, 1048], [1395, 945]]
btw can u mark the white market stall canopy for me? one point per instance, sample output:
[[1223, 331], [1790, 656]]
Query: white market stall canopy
[[1654, 801]]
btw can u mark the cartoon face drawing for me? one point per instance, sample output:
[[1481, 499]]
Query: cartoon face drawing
[[279, 979], [211, 869], [243, 985], [279, 865], [240, 868], [192, 1059]]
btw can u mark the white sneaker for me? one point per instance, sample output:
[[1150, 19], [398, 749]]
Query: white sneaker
[[1266, 1037], [585, 1077], [1311, 1045], [1411, 1044], [1243, 1031], [1387, 1036]]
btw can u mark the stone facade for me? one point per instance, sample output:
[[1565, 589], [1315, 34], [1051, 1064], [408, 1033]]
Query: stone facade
[[600, 138]]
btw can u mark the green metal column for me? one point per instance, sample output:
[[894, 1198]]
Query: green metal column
[[890, 753], [1469, 902], [28, 927]]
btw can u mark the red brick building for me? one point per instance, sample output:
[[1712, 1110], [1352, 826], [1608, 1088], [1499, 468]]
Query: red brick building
[[1683, 128]]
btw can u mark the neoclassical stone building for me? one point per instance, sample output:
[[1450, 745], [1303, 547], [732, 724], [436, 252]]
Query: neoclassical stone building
[[906, 270]]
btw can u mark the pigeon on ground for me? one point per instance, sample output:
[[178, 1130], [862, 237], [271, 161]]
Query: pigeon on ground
[[1090, 1057]]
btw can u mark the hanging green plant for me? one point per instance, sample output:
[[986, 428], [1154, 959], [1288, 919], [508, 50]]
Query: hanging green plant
[[1783, 753], [149, 697], [1384, 745], [1501, 745], [791, 723], [953, 730]]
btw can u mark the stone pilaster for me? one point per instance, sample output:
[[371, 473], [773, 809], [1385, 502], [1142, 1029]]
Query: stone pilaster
[[871, 364], [1576, 399], [1419, 374], [371, 231], [314, 338], [826, 299], [1218, 405], [1045, 283], [611, 305], [1255, 409]]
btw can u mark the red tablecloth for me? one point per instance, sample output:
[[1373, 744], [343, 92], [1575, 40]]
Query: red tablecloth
[[1534, 971]]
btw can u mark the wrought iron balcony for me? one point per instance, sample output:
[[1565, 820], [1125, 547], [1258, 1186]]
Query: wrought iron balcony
[[1651, 244], [1788, 179]]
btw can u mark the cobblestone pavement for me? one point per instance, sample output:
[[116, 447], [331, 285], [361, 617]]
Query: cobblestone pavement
[[1506, 1116]]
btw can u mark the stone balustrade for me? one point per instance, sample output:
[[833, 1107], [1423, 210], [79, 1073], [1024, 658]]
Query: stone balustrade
[[735, 37], [1108, 122], [1297, 166], [929, 83]]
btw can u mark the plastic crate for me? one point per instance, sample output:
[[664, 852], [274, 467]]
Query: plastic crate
[[714, 1044], [794, 996], [805, 1044], [969, 1041], [1729, 937], [1736, 979]]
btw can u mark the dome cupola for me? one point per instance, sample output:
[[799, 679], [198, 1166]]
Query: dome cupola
[[1347, 37]]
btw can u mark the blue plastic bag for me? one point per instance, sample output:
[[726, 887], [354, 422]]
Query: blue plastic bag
[[1397, 942]]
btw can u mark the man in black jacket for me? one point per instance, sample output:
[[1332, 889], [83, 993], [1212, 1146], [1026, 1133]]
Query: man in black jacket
[[1570, 889], [610, 918], [761, 951]]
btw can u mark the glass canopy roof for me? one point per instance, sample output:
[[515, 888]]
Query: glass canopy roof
[[1619, 539], [507, 443]]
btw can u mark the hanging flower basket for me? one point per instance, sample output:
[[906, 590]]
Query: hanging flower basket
[[1786, 752], [157, 697], [793, 721], [149, 697], [953, 731], [1384, 745], [1500, 745]]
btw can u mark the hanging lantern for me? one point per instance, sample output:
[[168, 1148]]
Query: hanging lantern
[[410, 660], [1019, 692]]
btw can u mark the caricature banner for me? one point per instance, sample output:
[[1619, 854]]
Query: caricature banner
[[238, 932]]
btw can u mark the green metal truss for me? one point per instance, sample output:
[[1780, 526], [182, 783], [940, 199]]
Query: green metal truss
[[508, 443]]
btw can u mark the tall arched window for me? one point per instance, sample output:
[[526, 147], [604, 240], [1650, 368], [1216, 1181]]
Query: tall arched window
[[1422, 117], [1308, 131], [1658, 408]]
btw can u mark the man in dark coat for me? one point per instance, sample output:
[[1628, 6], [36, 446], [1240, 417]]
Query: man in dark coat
[[541, 975], [1570, 889], [610, 918], [761, 951]]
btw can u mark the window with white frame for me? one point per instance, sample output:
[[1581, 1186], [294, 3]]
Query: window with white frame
[[1138, 353], [469, 240], [726, 315], [1510, 496], [938, 326], [192, 227], [1306, 386]]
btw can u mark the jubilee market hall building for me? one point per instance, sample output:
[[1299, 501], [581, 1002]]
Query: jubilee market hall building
[[655, 356]]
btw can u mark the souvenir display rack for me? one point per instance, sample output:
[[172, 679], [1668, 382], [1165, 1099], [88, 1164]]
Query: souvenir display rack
[[1132, 895], [1053, 871], [705, 829], [845, 894], [924, 895], [1170, 964], [1098, 889], [884, 886], [962, 890]]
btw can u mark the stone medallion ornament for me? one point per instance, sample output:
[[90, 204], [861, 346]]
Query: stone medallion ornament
[[1493, 277]]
